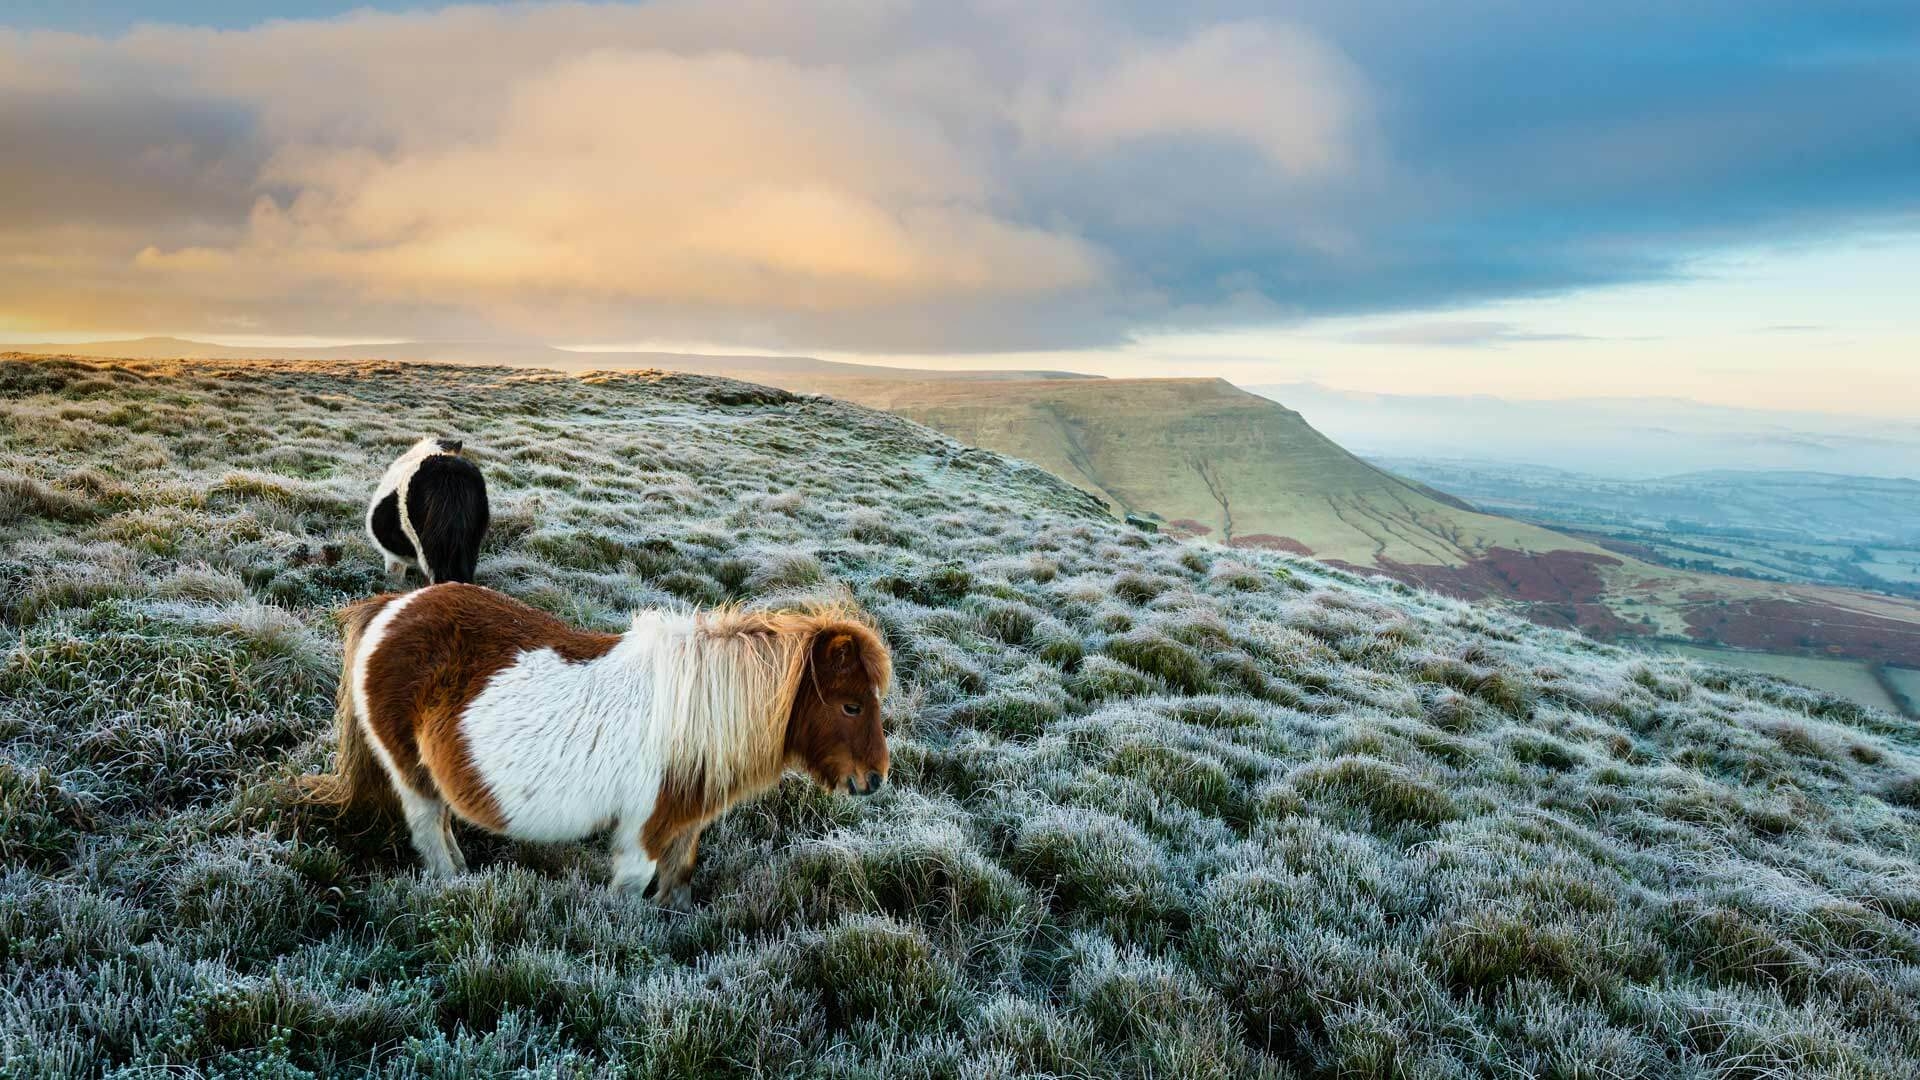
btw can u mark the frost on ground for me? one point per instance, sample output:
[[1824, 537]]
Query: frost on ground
[[1157, 809]]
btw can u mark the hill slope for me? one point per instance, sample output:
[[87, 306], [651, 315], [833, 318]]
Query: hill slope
[[1216, 461], [1159, 809], [1198, 452]]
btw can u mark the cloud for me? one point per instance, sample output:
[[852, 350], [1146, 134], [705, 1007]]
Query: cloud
[[1224, 82], [1456, 334], [649, 177], [840, 175], [903, 175]]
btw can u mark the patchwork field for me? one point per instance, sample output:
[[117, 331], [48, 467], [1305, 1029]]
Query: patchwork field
[[1849, 679], [1854, 532], [1906, 683], [1159, 808]]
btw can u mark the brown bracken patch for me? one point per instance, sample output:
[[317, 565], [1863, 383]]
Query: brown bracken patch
[[1186, 528], [1805, 626], [1271, 542]]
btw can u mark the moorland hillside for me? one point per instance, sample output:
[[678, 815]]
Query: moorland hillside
[[1158, 808], [1207, 459]]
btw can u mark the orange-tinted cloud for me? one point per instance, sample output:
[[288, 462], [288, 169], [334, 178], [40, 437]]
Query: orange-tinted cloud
[[846, 175]]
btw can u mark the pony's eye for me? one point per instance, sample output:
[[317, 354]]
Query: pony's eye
[[851, 708]]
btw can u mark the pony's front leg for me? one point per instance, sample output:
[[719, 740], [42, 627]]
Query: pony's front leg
[[632, 867], [675, 890]]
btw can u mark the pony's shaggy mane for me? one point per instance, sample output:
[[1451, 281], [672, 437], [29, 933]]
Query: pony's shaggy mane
[[728, 679]]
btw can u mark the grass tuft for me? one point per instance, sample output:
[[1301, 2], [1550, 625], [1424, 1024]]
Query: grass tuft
[[40, 821], [1386, 792], [21, 496], [1156, 655]]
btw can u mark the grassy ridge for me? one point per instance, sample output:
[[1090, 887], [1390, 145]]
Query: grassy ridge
[[1202, 453], [1215, 461], [1159, 809]]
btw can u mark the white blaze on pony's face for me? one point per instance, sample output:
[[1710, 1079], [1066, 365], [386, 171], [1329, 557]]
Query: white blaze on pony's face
[[834, 732]]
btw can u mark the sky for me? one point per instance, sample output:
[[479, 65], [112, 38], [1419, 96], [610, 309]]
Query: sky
[[1714, 200]]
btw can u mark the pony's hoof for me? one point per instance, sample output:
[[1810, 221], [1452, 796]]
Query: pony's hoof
[[678, 899], [633, 888]]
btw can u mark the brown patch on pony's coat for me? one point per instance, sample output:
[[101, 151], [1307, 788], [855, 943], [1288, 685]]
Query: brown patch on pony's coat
[[677, 809], [434, 659]]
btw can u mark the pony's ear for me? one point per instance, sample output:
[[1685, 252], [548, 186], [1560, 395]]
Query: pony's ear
[[451, 446], [838, 653]]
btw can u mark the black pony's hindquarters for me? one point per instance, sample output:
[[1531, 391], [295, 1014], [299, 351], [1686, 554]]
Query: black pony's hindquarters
[[384, 524], [447, 506]]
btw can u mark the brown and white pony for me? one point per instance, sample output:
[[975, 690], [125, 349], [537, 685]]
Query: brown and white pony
[[459, 700]]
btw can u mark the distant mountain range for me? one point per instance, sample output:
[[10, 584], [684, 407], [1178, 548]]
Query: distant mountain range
[[508, 354], [1776, 505], [1818, 528]]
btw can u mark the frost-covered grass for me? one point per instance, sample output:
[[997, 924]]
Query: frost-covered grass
[[1158, 809]]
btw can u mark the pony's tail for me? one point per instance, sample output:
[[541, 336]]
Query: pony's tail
[[358, 783]]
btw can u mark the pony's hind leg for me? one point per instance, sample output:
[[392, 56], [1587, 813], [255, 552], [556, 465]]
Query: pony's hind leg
[[453, 846], [431, 823]]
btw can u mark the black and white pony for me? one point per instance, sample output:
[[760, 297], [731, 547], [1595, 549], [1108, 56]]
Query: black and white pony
[[430, 512]]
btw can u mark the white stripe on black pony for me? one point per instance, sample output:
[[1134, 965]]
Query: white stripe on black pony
[[430, 512]]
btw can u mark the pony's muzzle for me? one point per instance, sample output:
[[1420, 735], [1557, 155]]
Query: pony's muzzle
[[874, 780]]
